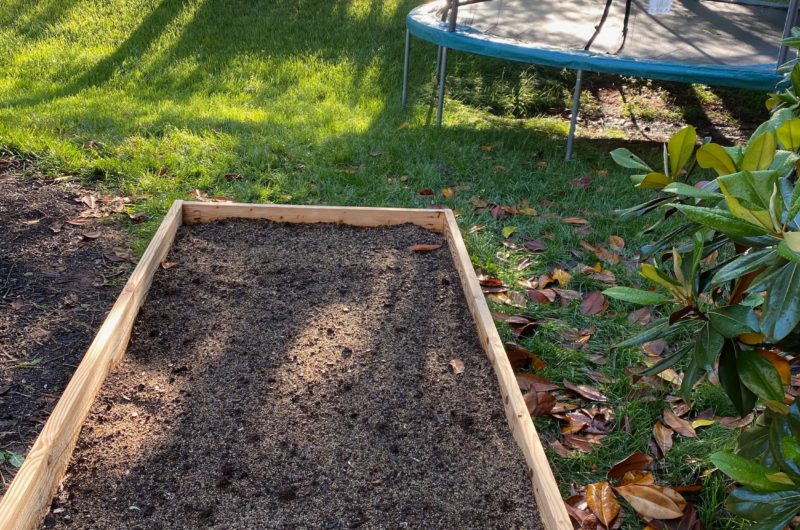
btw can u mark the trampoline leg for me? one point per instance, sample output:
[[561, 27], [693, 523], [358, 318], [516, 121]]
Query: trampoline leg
[[573, 120], [438, 62], [442, 71], [405, 68]]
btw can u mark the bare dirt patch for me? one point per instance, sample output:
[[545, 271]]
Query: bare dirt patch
[[57, 282], [298, 376]]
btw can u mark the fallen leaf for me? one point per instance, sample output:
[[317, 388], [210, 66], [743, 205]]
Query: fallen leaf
[[509, 231], [167, 265], [475, 229], [655, 347], [585, 391], [582, 182], [534, 383], [17, 304], [487, 148], [424, 248], [534, 245], [574, 220], [678, 424], [542, 296], [520, 357], [427, 192], [616, 243], [527, 210], [641, 316], [560, 450], [606, 255], [702, 422], [585, 444], [230, 177], [138, 217], [736, 422], [636, 462], [448, 192], [90, 235], [594, 303], [79, 221], [652, 501], [602, 502], [539, 403], [561, 276], [457, 366], [637, 476], [663, 437]]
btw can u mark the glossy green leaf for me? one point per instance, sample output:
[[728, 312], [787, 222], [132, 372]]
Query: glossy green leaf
[[759, 152], [745, 264], [659, 329], [666, 362], [636, 296], [733, 320], [743, 398], [721, 221], [680, 148], [771, 510], [789, 134], [754, 188], [781, 309], [654, 180], [686, 190], [625, 158], [714, 156], [708, 344], [749, 473], [758, 374]]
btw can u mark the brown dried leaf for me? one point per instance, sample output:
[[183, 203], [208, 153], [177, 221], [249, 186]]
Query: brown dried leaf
[[520, 357], [655, 348], [663, 437], [534, 245], [636, 462], [457, 366], [560, 450], [638, 477], [594, 303], [424, 248], [561, 276], [616, 243], [585, 391], [641, 316], [448, 192], [539, 403], [542, 296], [602, 502], [678, 424], [606, 255], [652, 502], [167, 265], [535, 383], [586, 443], [574, 220], [426, 192], [90, 235], [79, 221]]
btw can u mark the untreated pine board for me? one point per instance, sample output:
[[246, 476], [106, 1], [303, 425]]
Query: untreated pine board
[[28, 498], [545, 489], [206, 212]]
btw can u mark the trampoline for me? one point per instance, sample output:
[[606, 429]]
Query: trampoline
[[713, 42]]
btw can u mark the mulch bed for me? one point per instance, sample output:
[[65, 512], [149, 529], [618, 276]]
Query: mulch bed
[[298, 376], [57, 282]]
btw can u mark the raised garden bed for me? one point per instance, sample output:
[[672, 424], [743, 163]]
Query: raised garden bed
[[293, 375]]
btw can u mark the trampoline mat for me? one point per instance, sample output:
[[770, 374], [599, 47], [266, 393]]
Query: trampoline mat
[[694, 32]]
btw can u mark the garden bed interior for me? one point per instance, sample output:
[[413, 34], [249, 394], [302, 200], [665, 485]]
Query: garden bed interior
[[288, 372]]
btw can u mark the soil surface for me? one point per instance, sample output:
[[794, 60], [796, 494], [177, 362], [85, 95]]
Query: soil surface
[[298, 376], [57, 282]]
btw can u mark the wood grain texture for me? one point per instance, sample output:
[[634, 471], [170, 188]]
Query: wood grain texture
[[28, 498], [206, 212], [545, 489]]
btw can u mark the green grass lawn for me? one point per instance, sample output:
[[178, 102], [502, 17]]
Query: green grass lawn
[[297, 101]]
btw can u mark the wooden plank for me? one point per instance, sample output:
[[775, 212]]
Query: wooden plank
[[545, 489], [28, 498], [206, 212]]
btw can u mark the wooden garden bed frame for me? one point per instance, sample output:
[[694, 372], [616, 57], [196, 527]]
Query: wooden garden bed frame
[[28, 498]]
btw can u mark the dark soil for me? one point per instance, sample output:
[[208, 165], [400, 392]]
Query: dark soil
[[56, 285], [297, 376]]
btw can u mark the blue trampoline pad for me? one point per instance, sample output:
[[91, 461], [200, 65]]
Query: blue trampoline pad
[[698, 41]]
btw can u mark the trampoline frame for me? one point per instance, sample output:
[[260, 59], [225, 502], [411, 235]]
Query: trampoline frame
[[615, 65]]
